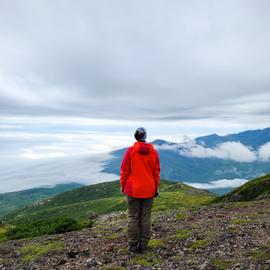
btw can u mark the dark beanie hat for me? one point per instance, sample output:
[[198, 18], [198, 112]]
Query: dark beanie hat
[[140, 134]]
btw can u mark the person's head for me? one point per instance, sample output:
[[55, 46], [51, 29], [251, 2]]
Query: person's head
[[140, 134]]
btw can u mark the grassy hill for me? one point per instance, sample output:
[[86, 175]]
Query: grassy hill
[[254, 189], [105, 198], [11, 201]]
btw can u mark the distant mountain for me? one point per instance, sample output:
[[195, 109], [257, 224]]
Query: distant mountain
[[258, 188], [251, 138], [104, 198], [13, 200], [175, 164]]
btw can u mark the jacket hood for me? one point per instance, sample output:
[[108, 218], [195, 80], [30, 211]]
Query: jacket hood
[[143, 148]]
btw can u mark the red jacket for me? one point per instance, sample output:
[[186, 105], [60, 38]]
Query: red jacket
[[140, 171]]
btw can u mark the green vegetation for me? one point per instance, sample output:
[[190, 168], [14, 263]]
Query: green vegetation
[[106, 198], [3, 230], [74, 206], [259, 187], [31, 252], [181, 200], [181, 216], [111, 267], [48, 226], [241, 221], [146, 260], [11, 201], [153, 243], [198, 244], [75, 210], [222, 264], [182, 234]]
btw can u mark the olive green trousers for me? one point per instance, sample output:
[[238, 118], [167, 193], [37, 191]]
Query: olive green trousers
[[139, 220]]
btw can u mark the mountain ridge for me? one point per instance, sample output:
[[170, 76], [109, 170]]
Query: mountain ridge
[[195, 169], [10, 201]]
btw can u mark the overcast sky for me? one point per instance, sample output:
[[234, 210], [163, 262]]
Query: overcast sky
[[77, 77]]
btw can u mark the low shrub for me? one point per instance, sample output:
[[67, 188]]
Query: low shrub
[[48, 226]]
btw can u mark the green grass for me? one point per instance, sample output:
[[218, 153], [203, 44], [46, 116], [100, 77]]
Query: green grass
[[182, 234], [75, 210], [222, 264], [77, 203], [181, 197], [31, 252], [11, 201], [251, 190], [3, 230], [111, 267], [241, 221], [181, 216], [198, 244], [154, 243], [47, 226], [146, 260], [180, 200]]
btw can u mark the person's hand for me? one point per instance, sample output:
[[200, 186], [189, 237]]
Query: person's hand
[[121, 190]]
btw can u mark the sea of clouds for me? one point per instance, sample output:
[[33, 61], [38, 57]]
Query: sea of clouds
[[235, 151]]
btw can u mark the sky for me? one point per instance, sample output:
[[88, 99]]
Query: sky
[[78, 77]]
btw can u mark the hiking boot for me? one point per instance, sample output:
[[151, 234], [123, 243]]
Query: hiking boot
[[142, 248], [134, 248]]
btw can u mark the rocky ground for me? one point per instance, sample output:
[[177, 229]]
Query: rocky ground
[[220, 236]]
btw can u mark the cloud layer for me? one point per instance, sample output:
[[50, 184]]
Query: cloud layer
[[134, 60], [235, 151], [222, 183]]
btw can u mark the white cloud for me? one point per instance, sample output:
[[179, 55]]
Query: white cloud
[[264, 152], [229, 150], [223, 183], [23, 174], [96, 60], [165, 147]]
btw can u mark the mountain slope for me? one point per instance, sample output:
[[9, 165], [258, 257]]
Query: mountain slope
[[252, 138], [193, 169], [254, 189], [104, 198], [219, 236], [12, 200]]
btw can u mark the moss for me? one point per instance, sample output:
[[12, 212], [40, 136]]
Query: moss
[[3, 230], [233, 228], [181, 216], [147, 260], [262, 254], [112, 236], [153, 243], [241, 221], [198, 244], [221, 264], [31, 252], [180, 200], [124, 251], [5, 260], [183, 234], [112, 267]]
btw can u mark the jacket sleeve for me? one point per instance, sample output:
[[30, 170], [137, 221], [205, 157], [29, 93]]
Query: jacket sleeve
[[156, 170], [125, 169]]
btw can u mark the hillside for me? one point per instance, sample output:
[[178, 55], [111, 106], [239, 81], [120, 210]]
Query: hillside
[[219, 236], [10, 201], [189, 231], [202, 169], [254, 189], [104, 198], [252, 138]]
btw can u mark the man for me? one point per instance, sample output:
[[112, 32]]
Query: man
[[139, 180]]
